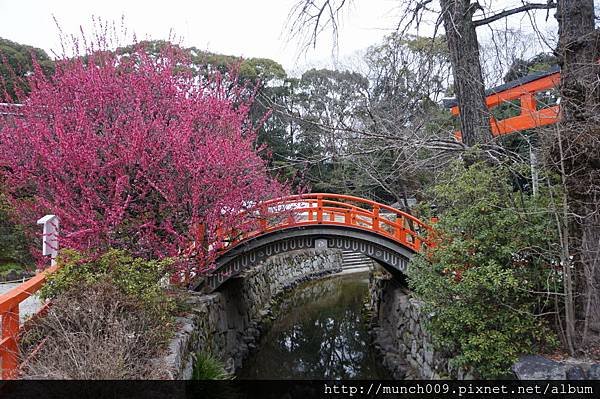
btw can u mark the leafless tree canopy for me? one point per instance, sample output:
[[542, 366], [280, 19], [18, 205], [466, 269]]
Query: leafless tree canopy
[[401, 135]]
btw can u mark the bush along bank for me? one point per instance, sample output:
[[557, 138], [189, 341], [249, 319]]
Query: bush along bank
[[109, 319], [492, 286]]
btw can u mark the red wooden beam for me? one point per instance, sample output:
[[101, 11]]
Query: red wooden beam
[[530, 116]]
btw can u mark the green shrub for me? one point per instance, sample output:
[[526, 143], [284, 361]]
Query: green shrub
[[135, 277], [9, 267], [207, 367], [485, 283], [14, 246]]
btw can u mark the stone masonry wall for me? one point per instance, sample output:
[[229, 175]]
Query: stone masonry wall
[[399, 336], [407, 350], [227, 323]]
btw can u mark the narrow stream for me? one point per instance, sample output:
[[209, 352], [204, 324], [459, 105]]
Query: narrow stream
[[319, 333]]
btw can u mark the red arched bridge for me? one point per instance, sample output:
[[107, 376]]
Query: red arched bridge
[[318, 221], [306, 221]]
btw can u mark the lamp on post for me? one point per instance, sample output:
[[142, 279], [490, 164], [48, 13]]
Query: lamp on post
[[50, 237]]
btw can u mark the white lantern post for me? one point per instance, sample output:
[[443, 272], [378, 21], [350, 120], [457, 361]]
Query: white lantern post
[[50, 237]]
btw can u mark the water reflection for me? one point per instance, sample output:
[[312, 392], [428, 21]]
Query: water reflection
[[319, 334]]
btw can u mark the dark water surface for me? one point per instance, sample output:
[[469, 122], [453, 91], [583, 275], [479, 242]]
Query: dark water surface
[[319, 333]]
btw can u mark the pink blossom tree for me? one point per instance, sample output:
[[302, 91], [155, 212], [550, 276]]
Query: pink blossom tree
[[133, 152]]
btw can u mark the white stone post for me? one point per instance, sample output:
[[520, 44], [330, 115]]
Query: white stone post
[[50, 237]]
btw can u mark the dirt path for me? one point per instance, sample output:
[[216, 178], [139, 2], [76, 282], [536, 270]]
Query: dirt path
[[28, 306]]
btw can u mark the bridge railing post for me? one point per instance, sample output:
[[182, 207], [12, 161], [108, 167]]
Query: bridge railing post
[[291, 220], [320, 209], [376, 218], [263, 218], [400, 233], [417, 244], [347, 217]]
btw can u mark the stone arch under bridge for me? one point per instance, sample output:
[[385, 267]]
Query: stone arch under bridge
[[319, 221], [388, 253]]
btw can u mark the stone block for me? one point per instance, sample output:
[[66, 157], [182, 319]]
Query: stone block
[[402, 348], [594, 372], [428, 355], [426, 372], [539, 368], [413, 363], [575, 373], [420, 359], [418, 331], [412, 325]]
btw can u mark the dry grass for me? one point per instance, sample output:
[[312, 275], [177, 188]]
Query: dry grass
[[94, 332]]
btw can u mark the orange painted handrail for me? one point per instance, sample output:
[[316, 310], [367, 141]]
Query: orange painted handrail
[[530, 117], [11, 328], [268, 216], [325, 209]]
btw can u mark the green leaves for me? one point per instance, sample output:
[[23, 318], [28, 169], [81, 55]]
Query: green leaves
[[16, 63], [481, 281], [134, 277], [208, 367], [14, 251]]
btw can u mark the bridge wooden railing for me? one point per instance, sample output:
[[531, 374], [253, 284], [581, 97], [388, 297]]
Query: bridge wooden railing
[[269, 216], [11, 325], [524, 90], [326, 209]]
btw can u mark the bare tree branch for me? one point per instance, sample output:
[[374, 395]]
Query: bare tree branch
[[505, 13], [317, 14]]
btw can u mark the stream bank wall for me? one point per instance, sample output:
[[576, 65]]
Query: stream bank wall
[[228, 323], [397, 329]]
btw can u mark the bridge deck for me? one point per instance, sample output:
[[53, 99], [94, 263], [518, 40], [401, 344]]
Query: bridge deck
[[333, 213], [326, 209]]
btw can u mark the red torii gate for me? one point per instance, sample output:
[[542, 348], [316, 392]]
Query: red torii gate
[[523, 89]]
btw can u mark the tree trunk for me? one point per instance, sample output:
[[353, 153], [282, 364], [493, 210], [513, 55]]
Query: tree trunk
[[466, 67], [577, 51], [580, 140]]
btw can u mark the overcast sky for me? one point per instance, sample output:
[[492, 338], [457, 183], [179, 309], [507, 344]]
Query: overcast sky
[[250, 28]]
